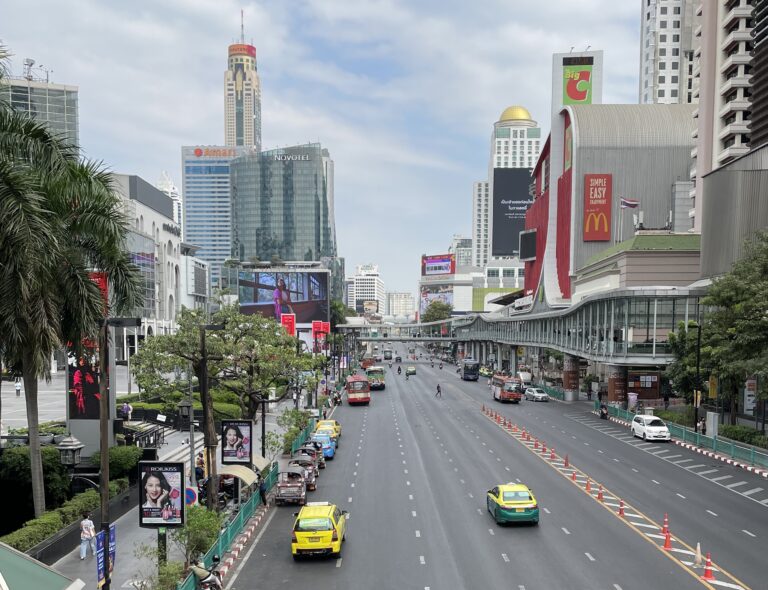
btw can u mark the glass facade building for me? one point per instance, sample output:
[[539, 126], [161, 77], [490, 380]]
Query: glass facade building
[[141, 249], [207, 221], [54, 104], [282, 205]]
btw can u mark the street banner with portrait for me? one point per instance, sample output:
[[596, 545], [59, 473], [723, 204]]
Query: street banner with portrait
[[236, 442], [161, 494]]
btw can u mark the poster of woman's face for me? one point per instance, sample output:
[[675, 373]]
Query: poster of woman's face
[[161, 494], [236, 442]]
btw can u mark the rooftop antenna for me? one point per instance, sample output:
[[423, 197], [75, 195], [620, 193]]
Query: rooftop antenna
[[587, 49], [242, 28], [28, 64], [571, 51]]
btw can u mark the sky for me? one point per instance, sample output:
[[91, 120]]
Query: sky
[[404, 93]]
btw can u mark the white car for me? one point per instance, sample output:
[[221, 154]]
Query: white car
[[536, 394], [650, 428]]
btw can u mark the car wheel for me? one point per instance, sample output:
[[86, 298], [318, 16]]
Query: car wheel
[[295, 557], [535, 522]]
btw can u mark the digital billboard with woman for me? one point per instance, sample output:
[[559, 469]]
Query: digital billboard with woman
[[236, 442], [161, 499]]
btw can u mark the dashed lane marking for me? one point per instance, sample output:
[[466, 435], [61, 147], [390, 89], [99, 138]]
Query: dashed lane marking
[[504, 557], [338, 562], [418, 533], [712, 513], [422, 561], [746, 532], [589, 557]]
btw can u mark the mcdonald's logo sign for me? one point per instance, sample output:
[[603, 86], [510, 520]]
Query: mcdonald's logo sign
[[598, 198]]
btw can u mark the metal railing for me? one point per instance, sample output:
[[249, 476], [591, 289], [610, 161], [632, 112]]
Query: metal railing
[[230, 531], [554, 392], [303, 436], [725, 446]]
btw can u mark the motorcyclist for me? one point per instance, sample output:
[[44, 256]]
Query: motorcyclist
[[399, 370], [208, 578], [603, 412], [441, 365], [433, 365]]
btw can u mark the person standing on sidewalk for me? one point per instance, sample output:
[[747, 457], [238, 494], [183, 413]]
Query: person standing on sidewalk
[[18, 387], [87, 535], [439, 392], [263, 491]]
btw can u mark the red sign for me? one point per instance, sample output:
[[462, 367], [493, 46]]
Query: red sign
[[598, 196], [100, 278], [288, 321], [327, 327], [242, 49], [317, 327]]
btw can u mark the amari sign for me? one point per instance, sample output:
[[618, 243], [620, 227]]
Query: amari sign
[[598, 195], [577, 80]]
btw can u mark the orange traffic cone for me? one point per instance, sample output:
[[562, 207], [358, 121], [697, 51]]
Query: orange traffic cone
[[667, 541], [566, 462], [600, 494], [552, 454], [665, 528], [536, 443], [514, 428], [588, 487], [544, 447], [573, 475], [621, 508], [708, 575]]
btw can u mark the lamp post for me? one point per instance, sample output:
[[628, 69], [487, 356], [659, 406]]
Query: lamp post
[[69, 451], [209, 435], [186, 411], [697, 390]]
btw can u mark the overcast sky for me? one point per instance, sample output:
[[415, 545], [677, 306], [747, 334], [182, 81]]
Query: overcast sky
[[404, 93]]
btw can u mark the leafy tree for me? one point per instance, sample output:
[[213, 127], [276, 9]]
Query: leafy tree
[[682, 372], [437, 310], [198, 534], [339, 313]]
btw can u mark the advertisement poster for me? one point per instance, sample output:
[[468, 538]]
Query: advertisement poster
[[101, 566], [112, 547], [598, 194], [430, 293], [288, 320], [161, 494], [272, 294], [83, 386], [511, 200], [439, 264], [577, 80], [236, 442]]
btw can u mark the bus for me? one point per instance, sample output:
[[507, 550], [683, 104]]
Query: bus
[[506, 389], [375, 377], [388, 354], [358, 390], [470, 370]]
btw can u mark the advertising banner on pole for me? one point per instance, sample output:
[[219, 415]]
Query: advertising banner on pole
[[112, 547], [101, 568], [237, 442], [161, 494], [598, 195], [288, 321]]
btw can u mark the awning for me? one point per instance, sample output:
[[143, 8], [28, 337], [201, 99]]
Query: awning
[[246, 475]]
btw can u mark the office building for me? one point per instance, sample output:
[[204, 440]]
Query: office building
[[282, 205], [759, 118], [461, 246], [167, 185], [56, 105], [724, 89], [666, 51], [515, 145], [365, 290], [207, 221], [399, 304], [242, 97]]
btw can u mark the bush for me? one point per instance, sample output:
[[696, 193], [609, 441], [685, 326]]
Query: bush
[[169, 574], [198, 534], [288, 438], [745, 434], [221, 410], [684, 416], [123, 461], [53, 427], [34, 531], [72, 510]]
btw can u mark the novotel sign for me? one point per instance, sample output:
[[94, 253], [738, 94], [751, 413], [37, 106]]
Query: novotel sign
[[291, 157], [172, 229]]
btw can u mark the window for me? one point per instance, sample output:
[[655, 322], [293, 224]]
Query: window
[[663, 24], [676, 24], [675, 65], [674, 93], [662, 79], [508, 272], [662, 66], [675, 52], [663, 10], [676, 10], [662, 52], [662, 38], [676, 38], [493, 273], [661, 94], [674, 79]]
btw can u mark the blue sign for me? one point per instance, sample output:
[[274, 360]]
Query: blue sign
[[100, 559], [190, 496], [112, 547]]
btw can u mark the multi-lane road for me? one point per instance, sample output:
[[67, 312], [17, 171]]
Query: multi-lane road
[[413, 471]]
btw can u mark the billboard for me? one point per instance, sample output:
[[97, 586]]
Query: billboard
[[528, 245], [161, 494], [237, 442], [273, 293], [577, 79], [430, 293], [597, 207], [510, 202], [439, 264]]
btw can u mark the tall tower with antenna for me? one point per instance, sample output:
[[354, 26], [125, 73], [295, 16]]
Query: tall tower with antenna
[[242, 95]]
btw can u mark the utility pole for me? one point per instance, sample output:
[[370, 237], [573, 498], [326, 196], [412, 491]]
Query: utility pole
[[697, 391], [104, 436], [192, 475]]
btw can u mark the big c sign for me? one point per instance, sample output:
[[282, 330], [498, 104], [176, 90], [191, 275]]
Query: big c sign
[[577, 80], [598, 195]]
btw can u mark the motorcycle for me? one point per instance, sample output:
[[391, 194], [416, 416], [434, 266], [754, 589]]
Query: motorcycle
[[603, 413], [337, 399], [432, 365], [399, 370], [441, 365], [210, 579]]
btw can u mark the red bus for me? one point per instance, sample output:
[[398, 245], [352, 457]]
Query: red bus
[[358, 390]]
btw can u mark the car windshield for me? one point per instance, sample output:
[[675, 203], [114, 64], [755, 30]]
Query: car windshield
[[322, 438], [656, 422], [516, 496], [313, 524]]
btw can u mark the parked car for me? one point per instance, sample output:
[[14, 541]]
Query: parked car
[[536, 394], [310, 470], [650, 428], [328, 445], [291, 486], [334, 423]]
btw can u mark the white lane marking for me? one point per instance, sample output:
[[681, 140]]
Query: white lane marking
[[491, 531], [707, 472], [405, 471], [565, 530], [504, 557], [752, 491], [462, 481], [413, 513], [422, 561], [418, 533], [712, 513], [599, 451], [736, 485], [354, 473], [616, 587], [656, 482], [635, 470], [753, 535], [586, 444], [507, 468], [680, 495], [410, 496], [250, 551], [456, 469], [589, 557], [721, 478], [692, 466], [681, 461], [672, 457], [352, 485], [470, 495], [356, 464], [617, 461], [407, 483], [338, 562], [479, 511], [547, 511], [349, 499]]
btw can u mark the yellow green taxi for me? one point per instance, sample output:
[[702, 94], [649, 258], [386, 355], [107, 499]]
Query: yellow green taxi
[[332, 423], [320, 529], [410, 370], [512, 502]]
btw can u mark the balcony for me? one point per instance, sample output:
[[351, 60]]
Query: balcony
[[733, 129], [694, 152], [731, 153], [738, 12], [743, 81], [737, 36], [735, 60], [692, 193], [697, 31], [734, 106], [692, 173]]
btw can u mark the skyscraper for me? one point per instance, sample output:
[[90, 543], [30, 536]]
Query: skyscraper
[[400, 303], [282, 205], [515, 143], [666, 51], [365, 288], [167, 185], [242, 96]]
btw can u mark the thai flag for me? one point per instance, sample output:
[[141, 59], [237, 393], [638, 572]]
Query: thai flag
[[629, 203]]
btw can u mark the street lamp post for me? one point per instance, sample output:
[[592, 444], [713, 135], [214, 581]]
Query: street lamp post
[[186, 411], [697, 391]]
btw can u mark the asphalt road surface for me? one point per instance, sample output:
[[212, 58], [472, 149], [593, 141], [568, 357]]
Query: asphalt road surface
[[413, 472]]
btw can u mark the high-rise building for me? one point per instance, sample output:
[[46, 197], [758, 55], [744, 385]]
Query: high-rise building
[[242, 97], [724, 70], [666, 51], [207, 221], [400, 304], [515, 143], [366, 290], [167, 185], [52, 104], [759, 119], [282, 204], [461, 246]]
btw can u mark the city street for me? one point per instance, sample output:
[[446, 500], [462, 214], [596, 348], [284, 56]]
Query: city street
[[413, 472]]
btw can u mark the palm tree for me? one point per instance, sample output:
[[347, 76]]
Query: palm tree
[[61, 220]]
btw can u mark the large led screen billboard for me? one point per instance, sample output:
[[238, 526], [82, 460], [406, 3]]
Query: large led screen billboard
[[430, 293], [271, 294], [439, 264], [511, 200]]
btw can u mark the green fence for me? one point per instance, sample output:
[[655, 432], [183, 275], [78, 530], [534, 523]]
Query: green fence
[[303, 436], [554, 392], [230, 531], [726, 446]]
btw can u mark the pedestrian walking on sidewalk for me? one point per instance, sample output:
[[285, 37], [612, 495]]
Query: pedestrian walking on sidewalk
[[263, 491], [87, 535], [439, 392], [18, 387], [703, 427]]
